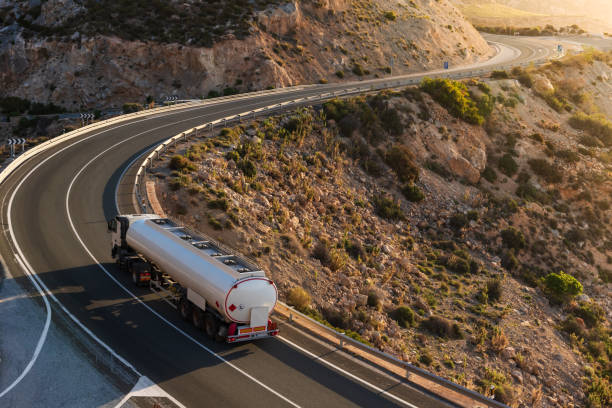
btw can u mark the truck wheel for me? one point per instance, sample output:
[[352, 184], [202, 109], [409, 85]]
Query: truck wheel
[[221, 334], [136, 278], [185, 309], [211, 327], [123, 264], [197, 318]]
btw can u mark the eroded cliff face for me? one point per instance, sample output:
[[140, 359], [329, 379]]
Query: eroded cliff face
[[287, 44]]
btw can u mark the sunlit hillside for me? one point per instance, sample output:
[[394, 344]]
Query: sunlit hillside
[[592, 15]]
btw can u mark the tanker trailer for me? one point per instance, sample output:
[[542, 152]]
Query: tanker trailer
[[215, 288]]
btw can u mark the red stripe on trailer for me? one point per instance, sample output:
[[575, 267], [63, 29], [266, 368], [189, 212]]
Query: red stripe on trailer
[[227, 313]]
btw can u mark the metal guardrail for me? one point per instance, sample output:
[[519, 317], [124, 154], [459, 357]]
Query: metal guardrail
[[348, 343], [209, 127], [102, 348]]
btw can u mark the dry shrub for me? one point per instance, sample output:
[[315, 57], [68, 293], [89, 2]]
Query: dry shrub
[[291, 243], [536, 396], [442, 327], [299, 298], [499, 341]]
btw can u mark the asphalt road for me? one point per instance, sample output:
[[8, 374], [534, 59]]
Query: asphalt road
[[73, 186]]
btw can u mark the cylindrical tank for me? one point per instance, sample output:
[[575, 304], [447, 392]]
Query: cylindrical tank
[[192, 268]]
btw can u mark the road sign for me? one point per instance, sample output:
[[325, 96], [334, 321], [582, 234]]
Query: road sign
[[13, 142], [445, 64], [87, 117]]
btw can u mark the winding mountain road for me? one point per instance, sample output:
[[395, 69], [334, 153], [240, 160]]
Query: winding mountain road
[[54, 210]]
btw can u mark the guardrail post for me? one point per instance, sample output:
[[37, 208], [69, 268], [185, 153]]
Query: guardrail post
[[184, 136]]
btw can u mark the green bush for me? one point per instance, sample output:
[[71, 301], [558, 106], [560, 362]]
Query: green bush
[[507, 165], [458, 220], [219, 204], [599, 392], [391, 121], [499, 74], [248, 168], [596, 125], [569, 156], [340, 74], [529, 192], [591, 313], [413, 193], [337, 109], [442, 327], [458, 265], [426, 358], [358, 70], [404, 316], [494, 289], [12, 105], [513, 238], [401, 160], [561, 286], [455, 97], [390, 15], [321, 252], [489, 174], [131, 107], [232, 155], [213, 94], [438, 168], [181, 163], [547, 171], [373, 299], [386, 207], [46, 109], [510, 261]]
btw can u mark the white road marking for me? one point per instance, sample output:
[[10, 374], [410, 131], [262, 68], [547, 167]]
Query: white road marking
[[348, 374], [40, 286], [41, 340], [147, 388], [202, 346]]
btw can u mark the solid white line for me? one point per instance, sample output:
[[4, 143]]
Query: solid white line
[[41, 340], [348, 374], [35, 278], [40, 286], [144, 304]]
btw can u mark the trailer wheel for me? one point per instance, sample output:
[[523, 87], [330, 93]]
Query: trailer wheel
[[197, 318], [136, 278], [123, 264], [211, 326], [221, 334], [185, 309]]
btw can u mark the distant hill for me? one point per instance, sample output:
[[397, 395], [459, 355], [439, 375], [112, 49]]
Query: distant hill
[[592, 15]]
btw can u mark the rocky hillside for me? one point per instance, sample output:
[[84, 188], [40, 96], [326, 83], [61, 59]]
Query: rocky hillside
[[462, 226], [80, 53]]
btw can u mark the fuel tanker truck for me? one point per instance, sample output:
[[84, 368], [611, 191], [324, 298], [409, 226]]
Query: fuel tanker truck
[[215, 288]]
